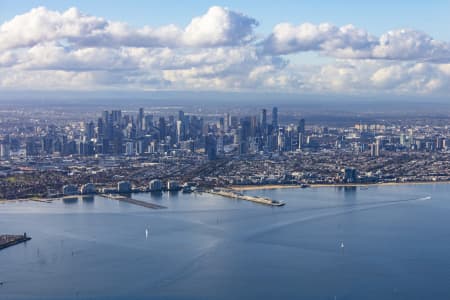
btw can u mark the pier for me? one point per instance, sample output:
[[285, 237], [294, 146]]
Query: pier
[[133, 201], [7, 240], [240, 196]]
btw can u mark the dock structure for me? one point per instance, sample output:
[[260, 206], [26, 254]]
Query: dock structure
[[133, 201], [7, 240], [236, 195]]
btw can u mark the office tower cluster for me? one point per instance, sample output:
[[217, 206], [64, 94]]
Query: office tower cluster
[[128, 134], [254, 135], [115, 133]]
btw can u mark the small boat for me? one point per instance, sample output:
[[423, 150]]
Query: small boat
[[277, 203], [188, 189]]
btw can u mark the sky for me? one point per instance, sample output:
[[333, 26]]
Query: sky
[[378, 48]]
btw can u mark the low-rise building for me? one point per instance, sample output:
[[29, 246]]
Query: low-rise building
[[173, 185], [70, 189], [124, 187], [88, 188], [155, 185]]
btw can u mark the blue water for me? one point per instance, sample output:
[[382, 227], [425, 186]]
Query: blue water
[[209, 247]]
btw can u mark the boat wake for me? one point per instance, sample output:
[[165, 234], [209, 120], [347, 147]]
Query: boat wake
[[336, 212]]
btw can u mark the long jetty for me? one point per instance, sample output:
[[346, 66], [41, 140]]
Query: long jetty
[[133, 201], [7, 240], [236, 195]]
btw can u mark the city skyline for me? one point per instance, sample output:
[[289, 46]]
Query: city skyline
[[204, 150], [59, 47]]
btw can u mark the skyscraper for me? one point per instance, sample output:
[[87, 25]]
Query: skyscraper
[[180, 131], [162, 128], [181, 115], [140, 121], [89, 131], [275, 118], [227, 123], [148, 124], [211, 147], [105, 117], [100, 128], [377, 147], [263, 118], [301, 126], [116, 117], [222, 124], [4, 150], [263, 121], [301, 133]]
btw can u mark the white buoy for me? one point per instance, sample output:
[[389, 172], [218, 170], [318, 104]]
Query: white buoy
[[146, 233], [342, 245]]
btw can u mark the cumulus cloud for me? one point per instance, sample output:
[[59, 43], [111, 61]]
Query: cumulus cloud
[[218, 27], [378, 77], [405, 44], [287, 38], [351, 42], [42, 25], [45, 49]]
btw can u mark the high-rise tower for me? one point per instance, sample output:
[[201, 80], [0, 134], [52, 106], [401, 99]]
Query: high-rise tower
[[275, 118]]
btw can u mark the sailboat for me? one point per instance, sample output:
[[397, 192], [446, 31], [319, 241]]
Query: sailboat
[[146, 233]]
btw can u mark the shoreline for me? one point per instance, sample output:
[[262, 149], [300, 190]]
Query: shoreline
[[322, 185], [262, 187]]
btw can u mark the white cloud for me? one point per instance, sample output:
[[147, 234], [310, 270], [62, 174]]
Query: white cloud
[[351, 42], [390, 76], [287, 38], [406, 44], [52, 56], [218, 27], [42, 25], [378, 77], [225, 67], [24, 80], [44, 49]]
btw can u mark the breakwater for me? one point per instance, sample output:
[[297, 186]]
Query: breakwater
[[133, 201], [237, 195], [7, 240]]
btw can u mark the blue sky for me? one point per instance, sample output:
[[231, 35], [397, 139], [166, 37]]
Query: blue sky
[[374, 16], [392, 47]]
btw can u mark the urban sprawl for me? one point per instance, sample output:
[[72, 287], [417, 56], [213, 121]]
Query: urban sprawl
[[130, 152]]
